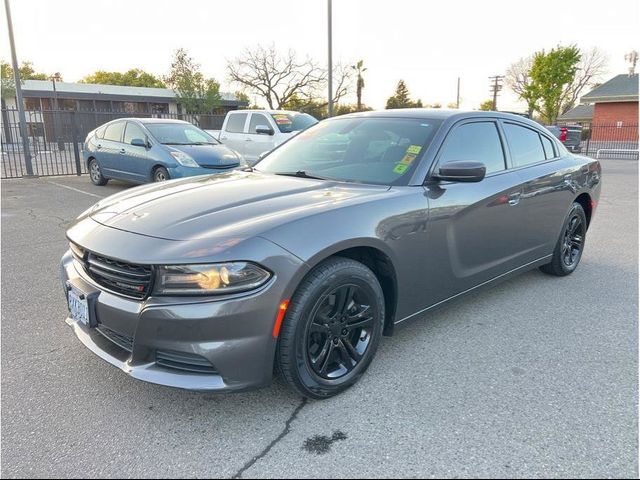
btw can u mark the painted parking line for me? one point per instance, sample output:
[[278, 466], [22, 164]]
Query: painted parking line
[[76, 189]]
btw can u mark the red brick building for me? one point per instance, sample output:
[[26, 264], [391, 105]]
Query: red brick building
[[615, 111]]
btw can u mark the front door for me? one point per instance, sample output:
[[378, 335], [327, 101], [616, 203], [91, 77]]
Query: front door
[[475, 230]]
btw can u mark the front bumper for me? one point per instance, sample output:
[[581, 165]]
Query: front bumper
[[232, 335]]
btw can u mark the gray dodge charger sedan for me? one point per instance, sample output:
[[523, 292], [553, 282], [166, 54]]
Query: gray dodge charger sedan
[[305, 261]]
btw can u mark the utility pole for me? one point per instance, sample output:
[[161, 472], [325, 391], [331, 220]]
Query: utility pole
[[458, 95], [494, 89], [330, 70], [19, 101]]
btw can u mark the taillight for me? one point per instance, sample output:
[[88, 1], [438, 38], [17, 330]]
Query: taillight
[[563, 134]]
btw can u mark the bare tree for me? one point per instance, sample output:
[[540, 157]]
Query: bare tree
[[591, 67], [517, 79], [275, 77], [282, 78]]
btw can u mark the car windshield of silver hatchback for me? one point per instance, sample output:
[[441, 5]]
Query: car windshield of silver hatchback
[[382, 151]]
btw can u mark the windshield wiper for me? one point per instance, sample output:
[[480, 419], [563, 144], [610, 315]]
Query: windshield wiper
[[302, 174]]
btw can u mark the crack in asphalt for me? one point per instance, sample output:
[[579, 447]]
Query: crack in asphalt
[[267, 449]]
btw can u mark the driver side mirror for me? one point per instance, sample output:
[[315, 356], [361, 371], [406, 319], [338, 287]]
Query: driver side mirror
[[264, 130], [461, 171], [139, 142]]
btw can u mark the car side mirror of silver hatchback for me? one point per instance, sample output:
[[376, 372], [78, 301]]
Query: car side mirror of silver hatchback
[[461, 171]]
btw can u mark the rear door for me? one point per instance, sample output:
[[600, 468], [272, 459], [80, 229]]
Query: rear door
[[475, 229], [110, 148], [257, 143], [547, 188], [234, 132]]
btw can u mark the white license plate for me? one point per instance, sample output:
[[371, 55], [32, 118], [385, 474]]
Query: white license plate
[[78, 306]]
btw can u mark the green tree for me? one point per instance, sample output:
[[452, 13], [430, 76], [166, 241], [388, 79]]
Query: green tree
[[486, 106], [196, 93], [401, 98], [131, 78], [26, 73], [360, 69], [242, 97], [550, 74]]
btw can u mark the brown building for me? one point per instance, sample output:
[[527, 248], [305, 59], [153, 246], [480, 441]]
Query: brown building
[[615, 107]]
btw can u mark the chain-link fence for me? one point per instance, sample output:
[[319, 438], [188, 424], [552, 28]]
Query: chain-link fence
[[56, 137]]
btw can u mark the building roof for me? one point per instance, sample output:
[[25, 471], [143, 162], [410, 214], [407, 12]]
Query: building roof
[[92, 91], [621, 88], [577, 113]]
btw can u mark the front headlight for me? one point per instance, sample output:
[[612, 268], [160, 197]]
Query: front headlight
[[184, 159], [213, 279]]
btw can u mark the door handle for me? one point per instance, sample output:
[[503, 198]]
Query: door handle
[[514, 198]]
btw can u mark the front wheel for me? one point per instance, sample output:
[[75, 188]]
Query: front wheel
[[332, 328], [160, 174], [570, 245]]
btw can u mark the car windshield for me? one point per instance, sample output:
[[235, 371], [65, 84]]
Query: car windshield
[[293, 122], [180, 134], [383, 151]]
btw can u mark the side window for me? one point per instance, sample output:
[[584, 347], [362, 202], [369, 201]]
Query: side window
[[114, 132], [479, 141], [236, 121], [133, 131], [257, 119], [526, 147], [100, 132], [547, 144]]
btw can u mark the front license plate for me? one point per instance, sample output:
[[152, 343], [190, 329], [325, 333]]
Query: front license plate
[[79, 307]]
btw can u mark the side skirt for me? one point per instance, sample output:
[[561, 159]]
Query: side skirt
[[488, 284]]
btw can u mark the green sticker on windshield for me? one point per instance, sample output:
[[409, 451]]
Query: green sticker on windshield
[[414, 149], [400, 168]]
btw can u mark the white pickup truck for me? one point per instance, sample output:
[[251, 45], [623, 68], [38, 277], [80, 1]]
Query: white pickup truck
[[254, 132]]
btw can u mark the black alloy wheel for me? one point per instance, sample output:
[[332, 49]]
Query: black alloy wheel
[[332, 328], [570, 244], [340, 331]]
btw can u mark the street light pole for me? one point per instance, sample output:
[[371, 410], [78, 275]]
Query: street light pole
[[330, 70], [20, 104], [56, 114]]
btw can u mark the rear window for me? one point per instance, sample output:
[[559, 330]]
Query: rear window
[[113, 132], [293, 122], [235, 122], [547, 144], [525, 145]]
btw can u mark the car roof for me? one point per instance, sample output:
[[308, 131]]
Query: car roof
[[257, 110]]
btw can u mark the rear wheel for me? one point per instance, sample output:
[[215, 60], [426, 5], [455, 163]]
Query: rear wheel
[[332, 328], [568, 251], [160, 174], [95, 174]]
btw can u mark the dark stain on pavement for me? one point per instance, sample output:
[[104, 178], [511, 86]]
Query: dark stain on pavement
[[321, 444]]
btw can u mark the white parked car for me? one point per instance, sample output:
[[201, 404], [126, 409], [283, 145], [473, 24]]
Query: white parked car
[[255, 132]]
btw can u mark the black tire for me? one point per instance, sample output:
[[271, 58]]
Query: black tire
[[315, 316], [568, 251], [95, 173], [160, 174]]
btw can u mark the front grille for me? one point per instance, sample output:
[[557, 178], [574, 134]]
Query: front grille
[[220, 167], [187, 362], [120, 277], [123, 341]]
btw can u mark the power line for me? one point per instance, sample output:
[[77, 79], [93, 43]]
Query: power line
[[494, 89]]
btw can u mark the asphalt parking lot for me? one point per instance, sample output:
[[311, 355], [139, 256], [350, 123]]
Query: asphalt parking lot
[[537, 377]]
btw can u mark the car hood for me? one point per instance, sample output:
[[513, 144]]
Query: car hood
[[219, 156], [236, 204]]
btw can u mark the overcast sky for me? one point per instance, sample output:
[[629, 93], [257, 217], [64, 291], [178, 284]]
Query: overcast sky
[[426, 43]]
